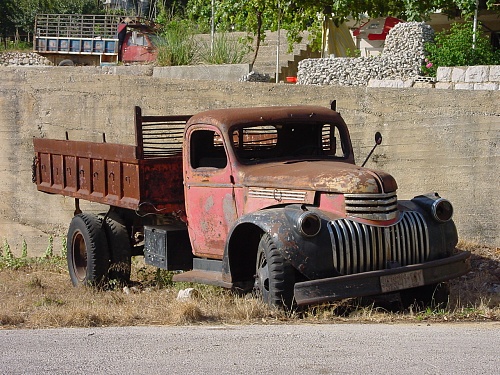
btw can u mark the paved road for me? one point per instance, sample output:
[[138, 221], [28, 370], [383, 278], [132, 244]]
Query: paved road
[[279, 349]]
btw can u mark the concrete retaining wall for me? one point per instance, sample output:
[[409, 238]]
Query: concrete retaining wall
[[229, 72], [434, 140]]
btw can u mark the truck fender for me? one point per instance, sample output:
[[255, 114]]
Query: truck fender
[[240, 253]]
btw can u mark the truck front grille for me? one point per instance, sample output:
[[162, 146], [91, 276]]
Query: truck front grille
[[372, 206], [361, 248]]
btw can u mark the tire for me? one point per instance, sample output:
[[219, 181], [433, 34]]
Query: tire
[[274, 279], [66, 62], [434, 296], [88, 255], [119, 247]]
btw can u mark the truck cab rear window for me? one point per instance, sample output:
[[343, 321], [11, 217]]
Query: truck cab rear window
[[259, 143]]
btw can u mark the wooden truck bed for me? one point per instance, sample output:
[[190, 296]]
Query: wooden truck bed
[[146, 177]]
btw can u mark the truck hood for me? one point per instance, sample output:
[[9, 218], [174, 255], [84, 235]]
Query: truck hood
[[319, 175]]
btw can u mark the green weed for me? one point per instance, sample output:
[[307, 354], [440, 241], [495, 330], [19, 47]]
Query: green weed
[[225, 50], [177, 46]]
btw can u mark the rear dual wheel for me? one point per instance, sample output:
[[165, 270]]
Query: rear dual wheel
[[98, 250], [119, 247], [88, 253]]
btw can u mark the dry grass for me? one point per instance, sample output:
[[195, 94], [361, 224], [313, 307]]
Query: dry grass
[[40, 295]]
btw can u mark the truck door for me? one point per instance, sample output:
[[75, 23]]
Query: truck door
[[209, 191]]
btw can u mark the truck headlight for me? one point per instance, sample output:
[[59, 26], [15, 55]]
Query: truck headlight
[[308, 224], [442, 210]]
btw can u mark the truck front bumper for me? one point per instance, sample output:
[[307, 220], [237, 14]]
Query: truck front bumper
[[383, 281]]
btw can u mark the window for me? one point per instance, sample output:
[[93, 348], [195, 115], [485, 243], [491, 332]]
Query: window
[[253, 144], [207, 150], [137, 39]]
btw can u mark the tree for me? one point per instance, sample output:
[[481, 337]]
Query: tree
[[21, 13], [455, 47], [254, 16], [6, 25]]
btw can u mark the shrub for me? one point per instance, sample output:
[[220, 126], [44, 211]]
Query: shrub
[[226, 50], [178, 45], [454, 48]]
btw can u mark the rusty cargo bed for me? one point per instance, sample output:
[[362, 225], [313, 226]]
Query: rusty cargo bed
[[146, 177]]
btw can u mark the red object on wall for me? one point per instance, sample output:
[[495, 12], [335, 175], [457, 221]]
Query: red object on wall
[[377, 29]]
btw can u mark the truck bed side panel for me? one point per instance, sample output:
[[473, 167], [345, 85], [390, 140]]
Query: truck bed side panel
[[109, 174]]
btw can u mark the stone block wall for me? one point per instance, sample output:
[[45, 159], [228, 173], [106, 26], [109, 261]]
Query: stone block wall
[[480, 77]]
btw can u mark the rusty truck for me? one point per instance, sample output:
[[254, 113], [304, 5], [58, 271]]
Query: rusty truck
[[90, 39], [268, 200]]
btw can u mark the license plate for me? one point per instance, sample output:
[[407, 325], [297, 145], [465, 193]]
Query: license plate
[[400, 281]]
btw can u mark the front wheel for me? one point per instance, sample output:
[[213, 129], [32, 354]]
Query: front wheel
[[274, 279], [88, 254]]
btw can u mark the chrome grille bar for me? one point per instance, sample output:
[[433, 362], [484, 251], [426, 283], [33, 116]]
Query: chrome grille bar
[[361, 247], [372, 206]]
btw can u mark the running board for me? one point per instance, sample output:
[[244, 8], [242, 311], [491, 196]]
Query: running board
[[202, 277]]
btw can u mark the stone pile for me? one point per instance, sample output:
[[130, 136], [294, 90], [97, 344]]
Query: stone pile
[[255, 77], [401, 59], [22, 58]]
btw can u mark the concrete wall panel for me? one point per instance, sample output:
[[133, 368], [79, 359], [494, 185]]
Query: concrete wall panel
[[434, 140]]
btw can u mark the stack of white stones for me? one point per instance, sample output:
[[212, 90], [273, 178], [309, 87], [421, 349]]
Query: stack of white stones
[[22, 58], [401, 60]]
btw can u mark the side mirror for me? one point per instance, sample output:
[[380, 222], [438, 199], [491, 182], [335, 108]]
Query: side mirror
[[378, 140]]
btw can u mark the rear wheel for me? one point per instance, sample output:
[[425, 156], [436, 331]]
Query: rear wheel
[[119, 247], [274, 279], [66, 62], [88, 255]]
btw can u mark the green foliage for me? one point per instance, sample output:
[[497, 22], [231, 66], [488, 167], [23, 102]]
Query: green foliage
[[49, 252], [454, 47], [177, 45], [49, 301], [21, 13], [155, 277], [353, 53], [226, 50], [9, 261], [64, 247], [9, 45], [254, 16], [24, 249]]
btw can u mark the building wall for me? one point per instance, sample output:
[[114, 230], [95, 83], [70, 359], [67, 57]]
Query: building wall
[[434, 140]]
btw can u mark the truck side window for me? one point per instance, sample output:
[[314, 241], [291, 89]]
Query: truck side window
[[137, 39], [207, 150]]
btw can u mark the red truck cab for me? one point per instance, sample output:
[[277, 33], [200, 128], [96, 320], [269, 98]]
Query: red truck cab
[[137, 45]]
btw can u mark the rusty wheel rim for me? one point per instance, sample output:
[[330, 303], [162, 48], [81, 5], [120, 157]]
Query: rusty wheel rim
[[79, 250], [262, 276]]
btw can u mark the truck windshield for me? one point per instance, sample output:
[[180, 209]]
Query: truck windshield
[[262, 143]]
